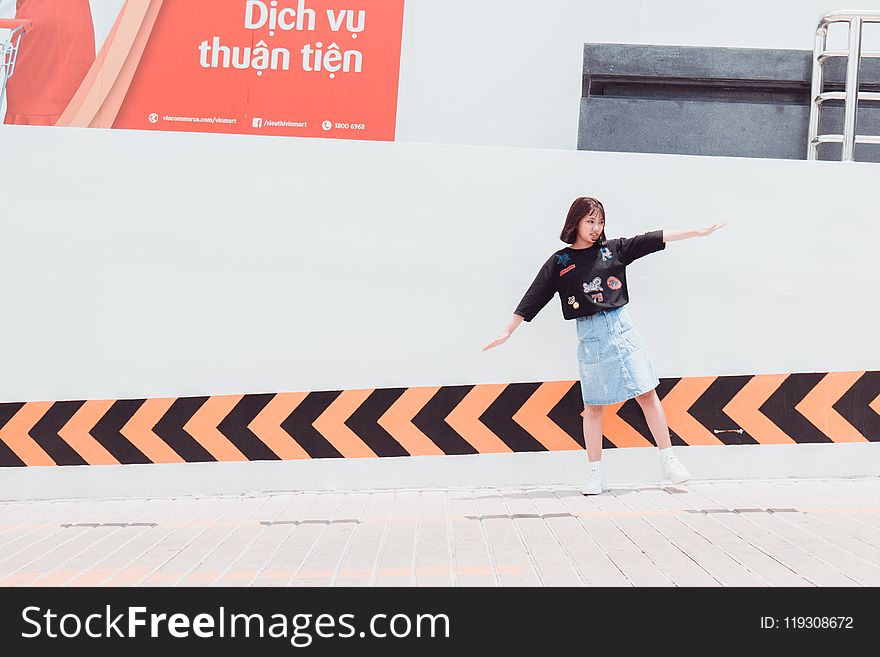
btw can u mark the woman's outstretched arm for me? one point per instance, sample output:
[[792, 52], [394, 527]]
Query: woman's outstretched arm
[[673, 235], [538, 295], [501, 339]]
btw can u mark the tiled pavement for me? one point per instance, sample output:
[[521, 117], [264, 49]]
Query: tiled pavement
[[810, 532]]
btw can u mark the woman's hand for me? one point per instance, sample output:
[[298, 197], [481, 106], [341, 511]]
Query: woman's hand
[[505, 334], [675, 235], [702, 232], [501, 339]]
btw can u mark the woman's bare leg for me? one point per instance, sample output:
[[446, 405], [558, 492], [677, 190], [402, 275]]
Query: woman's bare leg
[[656, 417], [593, 431]]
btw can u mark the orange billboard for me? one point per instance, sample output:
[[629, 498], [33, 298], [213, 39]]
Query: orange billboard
[[306, 68]]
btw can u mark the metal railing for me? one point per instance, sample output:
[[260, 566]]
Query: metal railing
[[850, 94]]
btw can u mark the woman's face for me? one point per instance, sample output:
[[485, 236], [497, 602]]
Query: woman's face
[[590, 227]]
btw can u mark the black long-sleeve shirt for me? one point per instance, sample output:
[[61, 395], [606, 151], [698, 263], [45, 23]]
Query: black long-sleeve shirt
[[588, 280]]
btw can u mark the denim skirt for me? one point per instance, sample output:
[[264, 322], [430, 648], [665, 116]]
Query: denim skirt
[[612, 360]]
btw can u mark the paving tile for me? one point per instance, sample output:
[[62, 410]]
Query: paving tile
[[809, 532], [433, 558], [710, 526], [708, 559], [769, 540], [359, 561], [852, 557], [471, 561]]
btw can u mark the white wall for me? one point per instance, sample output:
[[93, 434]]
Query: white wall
[[636, 465], [150, 264], [508, 72]]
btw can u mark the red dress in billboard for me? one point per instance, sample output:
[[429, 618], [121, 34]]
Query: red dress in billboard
[[53, 59]]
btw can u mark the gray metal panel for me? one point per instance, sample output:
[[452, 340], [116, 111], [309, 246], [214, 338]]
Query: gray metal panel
[[712, 101], [615, 59], [708, 63], [693, 128], [727, 129]]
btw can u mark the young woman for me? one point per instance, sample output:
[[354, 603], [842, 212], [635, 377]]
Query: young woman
[[52, 62], [590, 277]]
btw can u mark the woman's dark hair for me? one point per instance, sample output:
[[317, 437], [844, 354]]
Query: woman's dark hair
[[583, 206]]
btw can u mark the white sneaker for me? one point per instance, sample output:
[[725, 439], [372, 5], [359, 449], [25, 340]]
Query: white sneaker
[[673, 471], [595, 482]]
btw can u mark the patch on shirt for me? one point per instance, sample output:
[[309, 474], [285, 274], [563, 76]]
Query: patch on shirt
[[597, 298], [606, 253], [593, 286], [562, 259], [566, 270], [614, 283], [574, 304]]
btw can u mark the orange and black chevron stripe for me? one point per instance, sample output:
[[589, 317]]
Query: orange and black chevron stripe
[[835, 407]]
